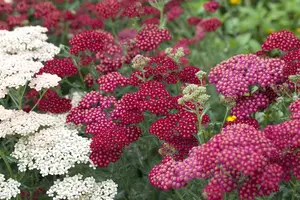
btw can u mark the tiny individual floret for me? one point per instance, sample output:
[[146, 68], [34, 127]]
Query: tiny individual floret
[[44, 81], [52, 151], [77, 187], [8, 188]]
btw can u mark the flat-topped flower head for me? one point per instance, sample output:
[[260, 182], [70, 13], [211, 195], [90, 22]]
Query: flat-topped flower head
[[93, 41], [77, 187], [62, 67], [109, 82], [234, 76], [18, 122], [28, 43], [52, 151], [211, 6], [283, 40], [210, 25], [44, 81], [21, 55], [150, 37], [9, 188]]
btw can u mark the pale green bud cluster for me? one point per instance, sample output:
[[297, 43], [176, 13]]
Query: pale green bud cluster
[[228, 101], [201, 74], [159, 4], [294, 78], [139, 62], [194, 93], [177, 55]]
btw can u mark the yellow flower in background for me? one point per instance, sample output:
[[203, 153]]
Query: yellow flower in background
[[231, 118], [298, 30], [269, 31], [235, 2]]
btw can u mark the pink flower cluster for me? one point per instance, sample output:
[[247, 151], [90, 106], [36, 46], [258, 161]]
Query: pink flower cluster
[[289, 46], [234, 76], [239, 158]]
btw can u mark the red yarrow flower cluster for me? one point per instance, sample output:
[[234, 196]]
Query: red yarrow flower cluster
[[283, 40], [210, 25], [53, 103], [109, 82], [165, 70], [110, 137], [211, 6], [62, 67], [93, 41], [150, 37]]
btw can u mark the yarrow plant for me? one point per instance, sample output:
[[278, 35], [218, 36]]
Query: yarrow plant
[[148, 99]]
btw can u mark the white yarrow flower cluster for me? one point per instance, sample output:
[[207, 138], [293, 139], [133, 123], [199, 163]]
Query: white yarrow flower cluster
[[27, 42], [16, 72], [77, 188], [19, 122], [53, 151], [44, 80], [9, 188], [22, 52]]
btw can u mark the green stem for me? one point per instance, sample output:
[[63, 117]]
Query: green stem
[[3, 156], [43, 93], [12, 98], [178, 194], [225, 117], [294, 189], [79, 72], [161, 21], [20, 99]]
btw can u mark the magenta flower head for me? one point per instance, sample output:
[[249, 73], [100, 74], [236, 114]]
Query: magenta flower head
[[234, 76]]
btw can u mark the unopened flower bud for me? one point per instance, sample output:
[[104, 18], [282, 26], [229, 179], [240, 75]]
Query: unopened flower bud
[[139, 62], [201, 74]]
